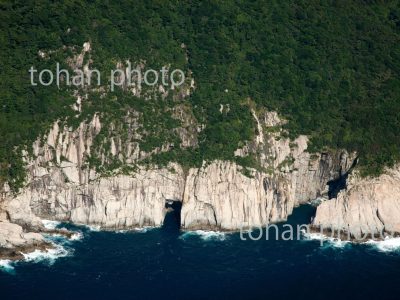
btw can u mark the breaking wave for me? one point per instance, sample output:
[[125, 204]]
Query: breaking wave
[[49, 224], [205, 235], [61, 248], [144, 229], [49, 256], [387, 245], [76, 236], [6, 265], [324, 240], [94, 228]]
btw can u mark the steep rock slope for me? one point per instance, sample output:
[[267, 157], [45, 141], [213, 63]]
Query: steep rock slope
[[369, 206], [216, 196]]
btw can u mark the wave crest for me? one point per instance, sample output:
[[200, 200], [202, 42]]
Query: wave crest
[[6, 265], [49, 224], [205, 235], [389, 244], [49, 256], [334, 242]]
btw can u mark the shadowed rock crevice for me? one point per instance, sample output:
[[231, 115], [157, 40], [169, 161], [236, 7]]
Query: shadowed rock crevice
[[216, 195], [340, 183], [172, 218], [335, 186]]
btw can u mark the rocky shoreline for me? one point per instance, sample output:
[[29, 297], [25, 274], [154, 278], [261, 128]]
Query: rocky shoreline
[[367, 206], [347, 236], [16, 240], [15, 253], [217, 196]]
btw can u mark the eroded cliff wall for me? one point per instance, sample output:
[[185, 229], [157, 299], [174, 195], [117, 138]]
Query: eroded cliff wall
[[368, 206], [218, 195]]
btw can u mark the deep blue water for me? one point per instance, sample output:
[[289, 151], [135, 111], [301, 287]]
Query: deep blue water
[[165, 263]]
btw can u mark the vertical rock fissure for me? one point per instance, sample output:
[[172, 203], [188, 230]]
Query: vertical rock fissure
[[340, 183], [172, 219]]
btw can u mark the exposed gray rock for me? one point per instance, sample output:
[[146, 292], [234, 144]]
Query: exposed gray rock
[[12, 235], [215, 196], [369, 206]]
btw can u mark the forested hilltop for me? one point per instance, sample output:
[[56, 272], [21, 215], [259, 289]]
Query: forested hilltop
[[331, 68]]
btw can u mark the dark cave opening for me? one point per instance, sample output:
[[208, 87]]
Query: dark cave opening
[[340, 183], [335, 186], [172, 220]]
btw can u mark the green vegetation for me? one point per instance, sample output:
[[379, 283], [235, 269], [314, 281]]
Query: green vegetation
[[330, 67]]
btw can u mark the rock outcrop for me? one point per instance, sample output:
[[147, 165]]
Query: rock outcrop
[[69, 179], [367, 207], [218, 195], [14, 240], [12, 235]]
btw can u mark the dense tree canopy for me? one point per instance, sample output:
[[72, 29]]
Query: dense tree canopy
[[330, 67]]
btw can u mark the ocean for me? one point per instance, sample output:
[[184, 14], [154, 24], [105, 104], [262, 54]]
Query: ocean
[[167, 263]]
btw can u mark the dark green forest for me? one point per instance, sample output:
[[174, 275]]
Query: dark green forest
[[331, 68]]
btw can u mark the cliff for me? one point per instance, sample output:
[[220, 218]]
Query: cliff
[[219, 195], [367, 207]]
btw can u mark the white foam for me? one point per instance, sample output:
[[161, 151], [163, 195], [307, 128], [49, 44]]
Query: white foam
[[76, 236], [330, 241], [49, 224], [61, 239], [94, 228], [143, 229], [50, 255], [6, 265], [387, 245], [205, 235]]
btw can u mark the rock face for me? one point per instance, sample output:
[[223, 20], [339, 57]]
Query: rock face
[[12, 235], [369, 206], [216, 196], [114, 202], [219, 196]]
